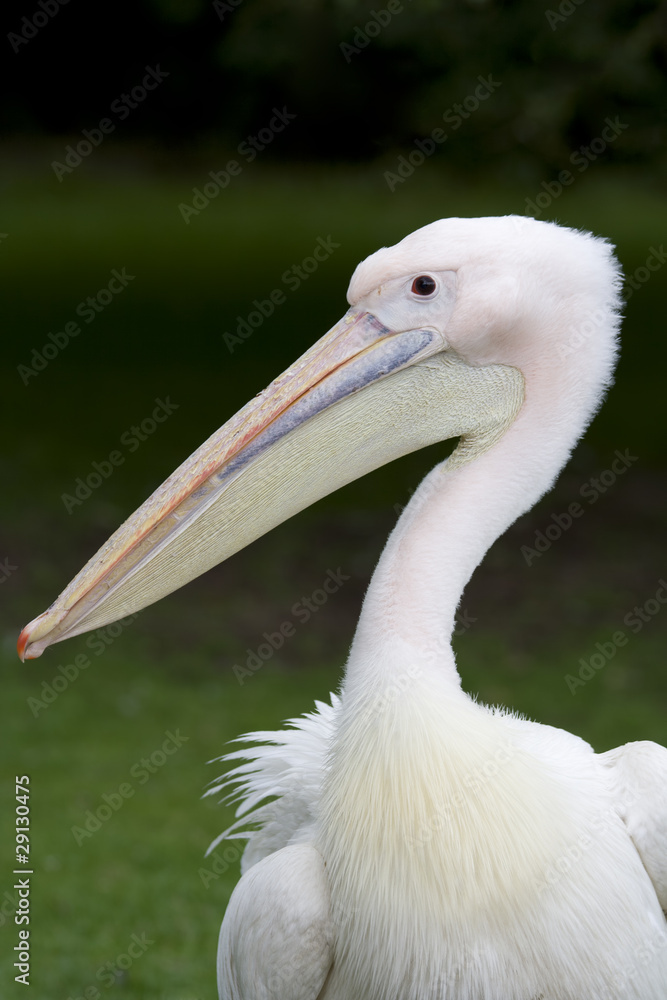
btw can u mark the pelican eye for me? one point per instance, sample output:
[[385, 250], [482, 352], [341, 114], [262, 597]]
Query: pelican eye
[[424, 285]]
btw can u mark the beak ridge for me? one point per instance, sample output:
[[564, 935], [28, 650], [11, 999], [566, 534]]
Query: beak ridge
[[356, 352]]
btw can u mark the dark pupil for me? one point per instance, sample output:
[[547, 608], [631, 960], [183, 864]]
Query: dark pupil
[[423, 285]]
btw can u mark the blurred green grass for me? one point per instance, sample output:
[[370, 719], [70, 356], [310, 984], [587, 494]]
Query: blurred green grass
[[173, 668]]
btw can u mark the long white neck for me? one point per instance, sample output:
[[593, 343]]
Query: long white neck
[[454, 517]]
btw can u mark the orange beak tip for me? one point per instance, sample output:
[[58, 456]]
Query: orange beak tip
[[21, 646]]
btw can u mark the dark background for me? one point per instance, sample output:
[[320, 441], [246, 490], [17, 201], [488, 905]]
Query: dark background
[[560, 73]]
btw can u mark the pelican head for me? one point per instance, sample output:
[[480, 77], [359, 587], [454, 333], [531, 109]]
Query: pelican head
[[458, 331]]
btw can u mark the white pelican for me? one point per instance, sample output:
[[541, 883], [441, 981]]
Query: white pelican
[[419, 845]]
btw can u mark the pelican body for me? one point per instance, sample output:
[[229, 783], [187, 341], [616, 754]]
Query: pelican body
[[406, 842]]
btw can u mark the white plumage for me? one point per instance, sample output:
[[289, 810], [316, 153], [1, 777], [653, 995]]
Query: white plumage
[[466, 854], [409, 843]]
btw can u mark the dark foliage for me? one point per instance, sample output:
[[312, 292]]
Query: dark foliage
[[363, 79]]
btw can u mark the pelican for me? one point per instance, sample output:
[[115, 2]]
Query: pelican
[[407, 842]]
